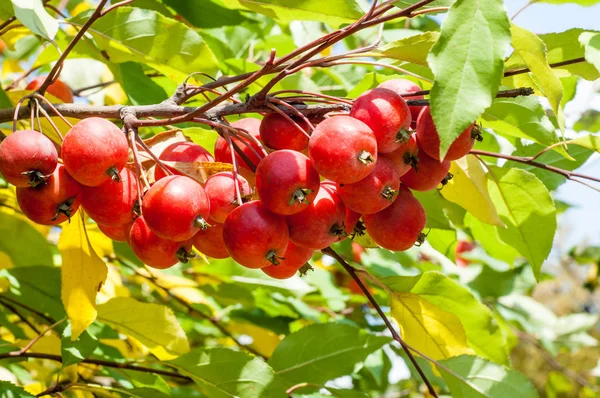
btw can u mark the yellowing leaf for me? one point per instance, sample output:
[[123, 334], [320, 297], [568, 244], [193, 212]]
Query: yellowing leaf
[[469, 189], [431, 330], [154, 325], [184, 288], [113, 286], [5, 262], [49, 344], [13, 35], [264, 341], [589, 141], [83, 274]]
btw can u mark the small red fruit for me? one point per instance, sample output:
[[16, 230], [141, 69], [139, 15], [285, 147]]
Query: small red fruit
[[427, 175], [357, 251], [321, 223], [155, 251], [210, 241], [220, 188], [295, 257], [404, 86], [254, 236], [429, 139], [27, 158], [386, 114], [373, 193], [404, 157], [119, 233], [462, 247], [176, 208], [53, 202], [352, 219], [399, 226], [250, 149], [181, 152], [343, 149], [277, 132], [59, 89], [94, 151], [112, 203], [286, 182]]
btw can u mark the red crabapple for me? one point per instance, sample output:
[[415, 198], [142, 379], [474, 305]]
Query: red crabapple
[[373, 193], [250, 149], [94, 151], [220, 188], [210, 241], [462, 247], [404, 86], [286, 182], [277, 132], [53, 202], [155, 251], [404, 157], [351, 221], [386, 114], [59, 89], [343, 149], [181, 152], [27, 158], [120, 233], [176, 208], [254, 236], [398, 226], [321, 223], [428, 174], [294, 258], [112, 202]]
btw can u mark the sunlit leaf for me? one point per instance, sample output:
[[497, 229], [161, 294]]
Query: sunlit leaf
[[73, 352], [83, 273], [410, 49], [592, 47], [22, 242], [32, 14], [9, 390]]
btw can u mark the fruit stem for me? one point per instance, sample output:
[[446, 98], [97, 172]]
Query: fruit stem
[[299, 196], [201, 223], [305, 269], [273, 258], [366, 157], [36, 178], [476, 133], [403, 135], [389, 193], [65, 208], [114, 174], [183, 255], [337, 230]]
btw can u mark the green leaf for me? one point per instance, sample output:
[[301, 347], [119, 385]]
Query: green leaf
[[225, 373], [6, 10], [336, 12], [410, 49], [467, 62], [521, 117], [433, 203], [9, 390], [585, 3], [32, 14], [73, 352], [321, 352], [532, 50], [480, 378], [164, 44], [565, 46], [551, 158], [592, 47], [4, 100], [491, 283], [588, 141], [589, 121], [22, 242], [140, 89], [482, 332], [154, 325], [488, 237], [206, 13], [527, 209], [434, 4], [147, 381]]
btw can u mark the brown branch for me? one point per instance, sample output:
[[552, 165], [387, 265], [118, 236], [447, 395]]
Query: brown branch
[[569, 175], [101, 362], [407, 349], [554, 65], [21, 316], [33, 311]]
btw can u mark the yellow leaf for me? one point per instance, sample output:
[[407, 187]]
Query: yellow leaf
[[154, 325], [49, 344], [83, 274], [469, 189], [5, 262], [10, 66], [113, 287], [264, 341], [101, 243], [427, 328], [13, 35]]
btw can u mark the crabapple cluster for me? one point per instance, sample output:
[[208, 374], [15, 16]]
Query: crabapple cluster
[[315, 186]]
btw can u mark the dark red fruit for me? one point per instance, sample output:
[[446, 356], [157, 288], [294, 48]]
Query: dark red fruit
[[295, 257], [181, 152], [399, 226], [250, 149], [428, 174], [404, 157], [403, 86], [220, 189], [343, 149], [94, 151], [277, 132], [373, 193], [462, 247], [429, 139], [155, 251], [322, 223], [176, 208], [351, 221], [386, 114], [254, 236], [210, 241], [26, 158], [51, 203], [119, 233], [59, 89], [286, 182], [112, 203]]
